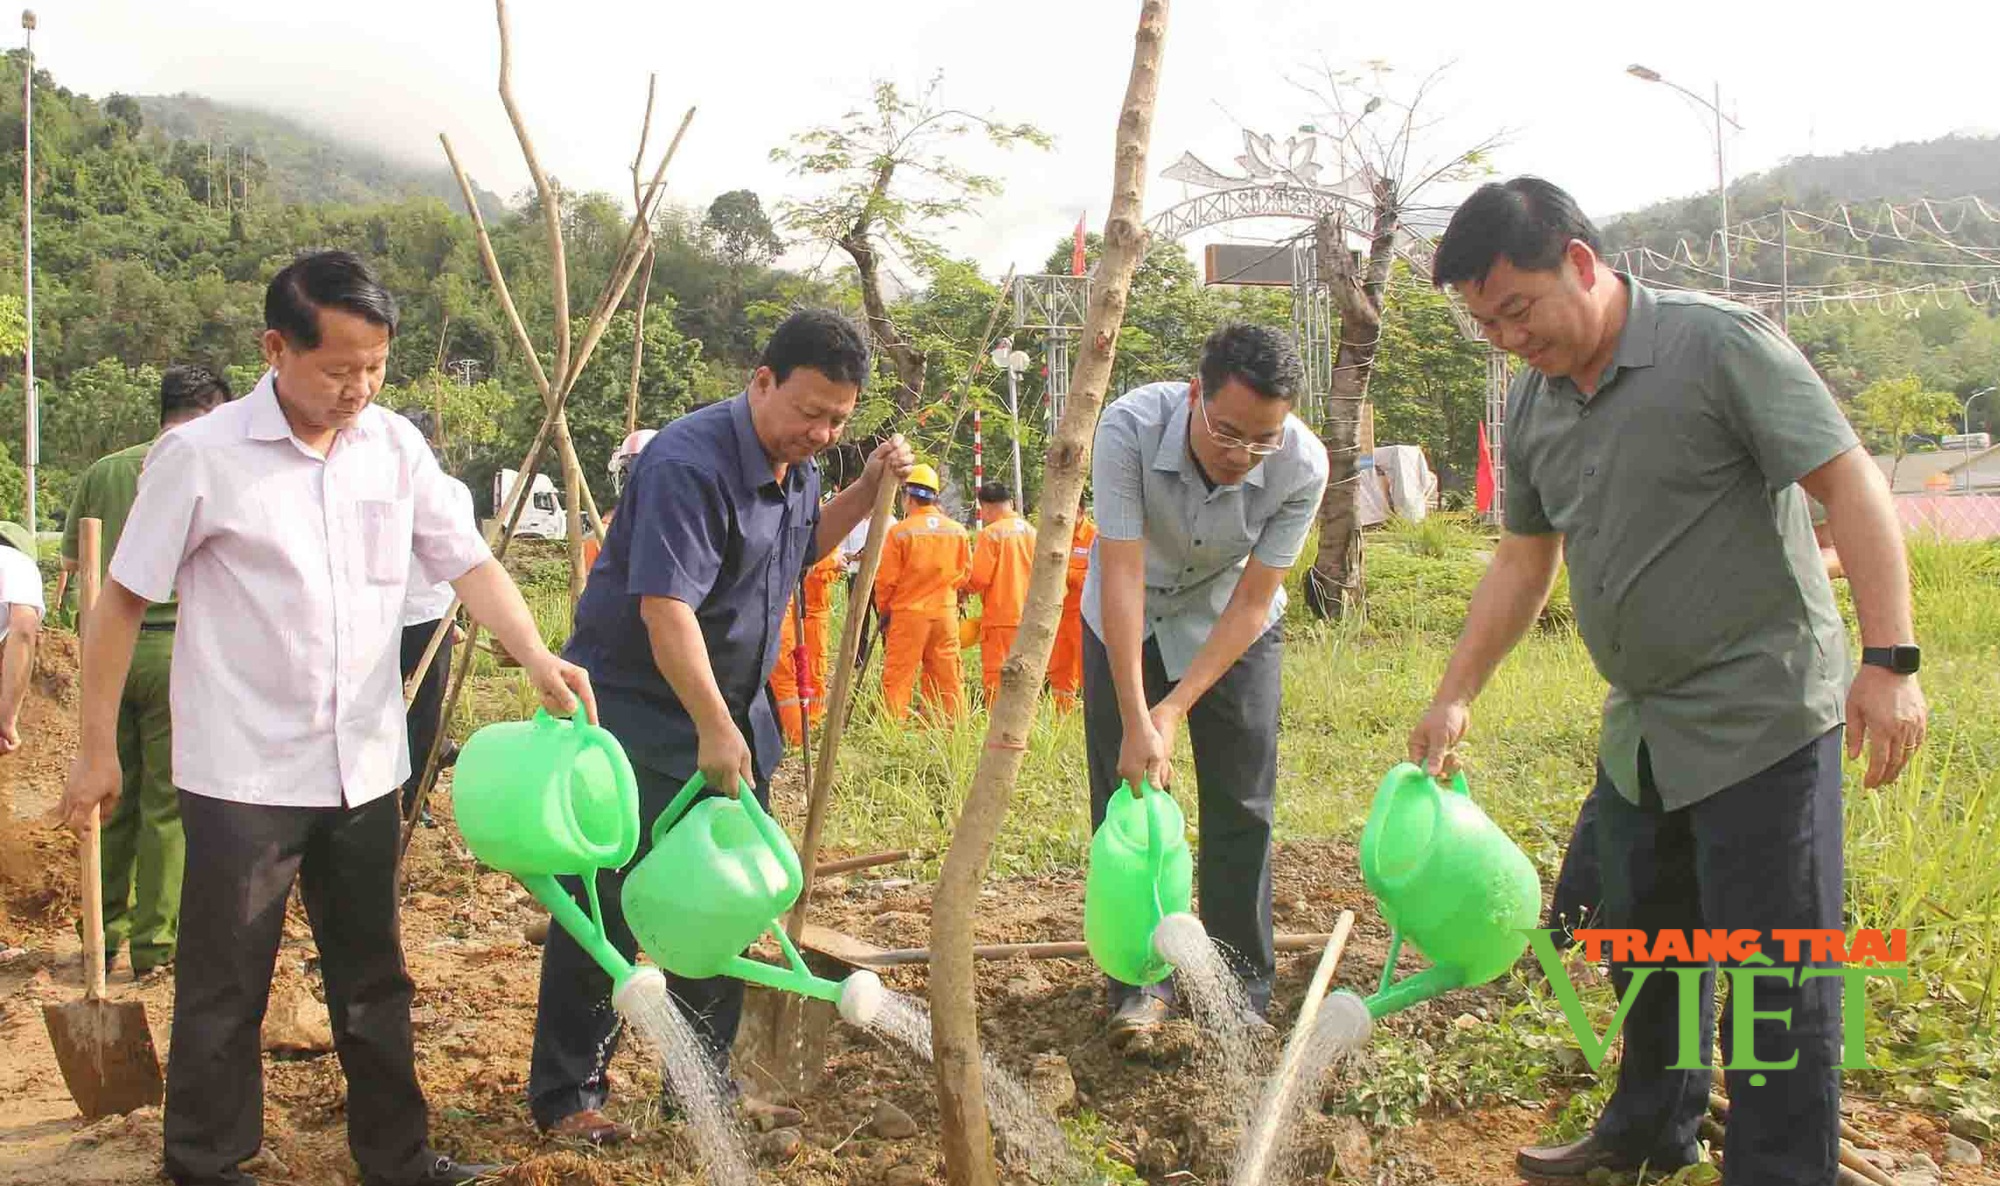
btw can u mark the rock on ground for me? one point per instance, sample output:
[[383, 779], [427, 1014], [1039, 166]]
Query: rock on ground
[[1959, 1151], [296, 1022], [891, 1123]]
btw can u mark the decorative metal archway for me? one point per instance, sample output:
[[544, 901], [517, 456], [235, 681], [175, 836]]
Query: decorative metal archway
[[1276, 184]]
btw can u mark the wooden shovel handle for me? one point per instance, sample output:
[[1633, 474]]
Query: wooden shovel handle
[[89, 546]]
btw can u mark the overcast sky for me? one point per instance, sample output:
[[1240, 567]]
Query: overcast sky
[[1551, 75]]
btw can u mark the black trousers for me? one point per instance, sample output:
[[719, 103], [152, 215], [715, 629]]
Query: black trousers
[[576, 1029], [241, 861], [1578, 897], [1234, 730], [1763, 854], [426, 715]]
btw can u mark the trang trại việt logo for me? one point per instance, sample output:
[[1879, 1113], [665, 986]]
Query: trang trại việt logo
[[1807, 955]]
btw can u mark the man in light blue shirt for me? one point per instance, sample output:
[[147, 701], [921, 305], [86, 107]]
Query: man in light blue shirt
[[1205, 493]]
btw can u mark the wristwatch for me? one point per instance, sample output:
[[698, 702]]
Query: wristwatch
[[1903, 660]]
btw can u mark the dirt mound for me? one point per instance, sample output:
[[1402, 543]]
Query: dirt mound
[[38, 862]]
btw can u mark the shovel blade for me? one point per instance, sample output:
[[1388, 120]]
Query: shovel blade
[[106, 1053]]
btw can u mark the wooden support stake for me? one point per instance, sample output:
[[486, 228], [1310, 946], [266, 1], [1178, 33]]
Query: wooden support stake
[[865, 861], [843, 688], [1263, 1143]]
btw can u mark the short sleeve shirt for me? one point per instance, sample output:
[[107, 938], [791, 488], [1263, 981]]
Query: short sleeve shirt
[[1697, 584], [1145, 485], [20, 584], [105, 492], [703, 520], [287, 687]]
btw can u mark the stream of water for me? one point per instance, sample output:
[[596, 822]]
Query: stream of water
[[691, 1075], [1015, 1114]]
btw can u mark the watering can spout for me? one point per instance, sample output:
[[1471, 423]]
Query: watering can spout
[[1413, 990], [586, 929]]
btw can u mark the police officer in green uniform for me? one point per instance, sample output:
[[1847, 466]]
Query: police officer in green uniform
[[141, 841]]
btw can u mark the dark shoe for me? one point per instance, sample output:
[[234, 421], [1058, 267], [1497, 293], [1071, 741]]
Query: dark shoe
[[1138, 1017], [1578, 1158], [449, 758], [427, 819], [443, 1171], [593, 1126]]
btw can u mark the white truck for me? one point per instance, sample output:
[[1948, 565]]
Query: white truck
[[543, 517]]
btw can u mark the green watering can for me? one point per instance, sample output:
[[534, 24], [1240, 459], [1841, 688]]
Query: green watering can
[[1140, 872], [721, 874], [551, 797], [1447, 879]]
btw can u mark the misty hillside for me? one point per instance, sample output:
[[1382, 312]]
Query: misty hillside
[[1951, 167], [297, 162]]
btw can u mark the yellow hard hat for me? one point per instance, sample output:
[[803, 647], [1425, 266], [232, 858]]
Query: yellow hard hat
[[923, 475]]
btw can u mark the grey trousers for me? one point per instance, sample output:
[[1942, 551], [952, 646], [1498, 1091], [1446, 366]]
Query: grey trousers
[[1234, 730]]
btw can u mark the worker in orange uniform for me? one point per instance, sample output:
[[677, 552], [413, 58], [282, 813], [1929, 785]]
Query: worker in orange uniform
[[926, 560], [1066, 661], [819, 582], [1001, 561]]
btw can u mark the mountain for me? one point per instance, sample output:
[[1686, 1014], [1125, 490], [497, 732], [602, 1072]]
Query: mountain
[[1874, 232], [297, 163]]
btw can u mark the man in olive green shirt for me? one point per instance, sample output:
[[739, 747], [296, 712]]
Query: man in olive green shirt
[[142, 844], [1663, 443]]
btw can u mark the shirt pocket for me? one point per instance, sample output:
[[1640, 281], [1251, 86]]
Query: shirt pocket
[[386, 548]]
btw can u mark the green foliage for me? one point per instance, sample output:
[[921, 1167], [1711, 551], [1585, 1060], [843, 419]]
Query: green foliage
[[1888, 412], [1429, 381], [890, 176], [13, 326], [13, 487], [742, 230]]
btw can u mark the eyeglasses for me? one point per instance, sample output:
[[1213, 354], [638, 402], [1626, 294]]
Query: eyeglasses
[[1253, 448]]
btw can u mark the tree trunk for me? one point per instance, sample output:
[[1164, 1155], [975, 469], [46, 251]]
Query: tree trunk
[[968, 1136], [1335, 586], [910, 362]]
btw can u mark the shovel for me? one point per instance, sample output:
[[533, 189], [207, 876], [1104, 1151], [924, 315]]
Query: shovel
[[104, 1048]]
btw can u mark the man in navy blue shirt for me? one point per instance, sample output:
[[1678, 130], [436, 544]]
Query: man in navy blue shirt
[[679, 629]]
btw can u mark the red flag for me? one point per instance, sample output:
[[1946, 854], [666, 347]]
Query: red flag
[[1076, 251], [1483, 484]]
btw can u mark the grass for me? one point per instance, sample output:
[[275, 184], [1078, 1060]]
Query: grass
[[1921, 854]]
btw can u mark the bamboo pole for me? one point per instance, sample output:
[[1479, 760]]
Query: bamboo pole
[[843, 689], [620, 282], [646, 284], [554, 424], [967, 1130]]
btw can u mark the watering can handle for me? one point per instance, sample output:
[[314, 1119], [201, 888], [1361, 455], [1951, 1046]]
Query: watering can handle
[[678, 807], [774, 839], [1155, 844], [1458, 784]]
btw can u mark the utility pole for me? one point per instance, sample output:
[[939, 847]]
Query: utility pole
[[1722, 188], [1784, 269], [31, 420]]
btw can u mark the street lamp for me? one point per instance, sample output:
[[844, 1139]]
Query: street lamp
[[1721, 178], [1013, 362], [1965, 438]]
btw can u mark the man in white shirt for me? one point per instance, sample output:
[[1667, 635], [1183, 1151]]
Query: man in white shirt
[[21, 603], [285, 522]]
